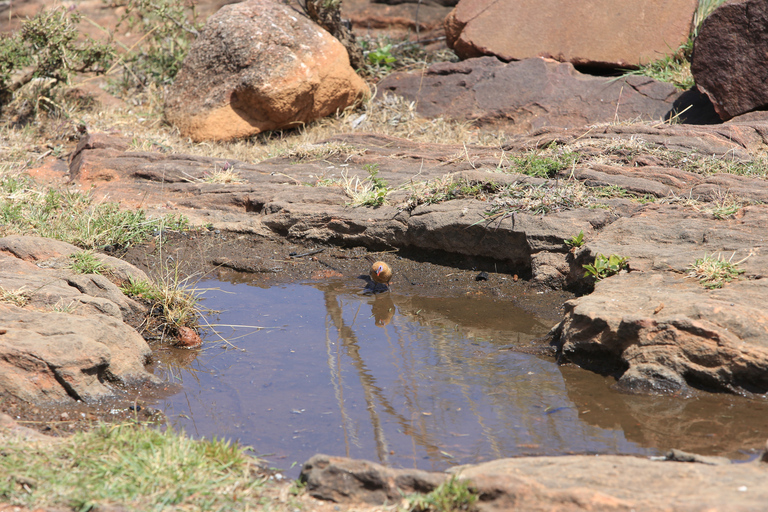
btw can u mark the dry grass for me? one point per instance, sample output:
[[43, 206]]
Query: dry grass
[[715, 272], [394, 116], [18, 297]]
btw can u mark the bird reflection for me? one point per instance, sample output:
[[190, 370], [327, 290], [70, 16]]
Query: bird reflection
[[383, 309]]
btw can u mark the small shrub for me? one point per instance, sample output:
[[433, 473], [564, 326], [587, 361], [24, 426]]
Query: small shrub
[[169, 27], [382, 57], [575, 241], [605, 267], [46, 48]]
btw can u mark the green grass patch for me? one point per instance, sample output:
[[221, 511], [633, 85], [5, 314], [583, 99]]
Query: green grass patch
[[85, 262], [674, 68], [451, 496], [141, 468], [545, 163], [73, 217]]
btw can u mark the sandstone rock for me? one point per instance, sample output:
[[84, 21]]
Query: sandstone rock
[[664, 237], [58, 356], [610, 483], [341, 479], [39, 267], [659, 330], [728, 60], [259, 65], [450, 3], [597, 32], [662, 333], [527, 95], [47, 355], [568, 483], [9, 429]]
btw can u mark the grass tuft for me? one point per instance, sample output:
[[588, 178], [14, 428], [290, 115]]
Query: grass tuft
[[453, 495], [544, 163], [18, 297], [85, 262], [714, 272]]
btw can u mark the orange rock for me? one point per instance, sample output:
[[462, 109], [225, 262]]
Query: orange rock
[[257, 66], [188, 338]]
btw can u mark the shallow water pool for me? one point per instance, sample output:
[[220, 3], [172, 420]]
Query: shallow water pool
[[414, 381]]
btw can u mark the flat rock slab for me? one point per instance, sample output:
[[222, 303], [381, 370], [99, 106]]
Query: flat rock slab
[[529, 94], [69, 340], [569, 483], [615, 33]]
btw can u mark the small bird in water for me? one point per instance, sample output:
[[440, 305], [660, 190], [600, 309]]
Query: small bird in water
[[380, 272]]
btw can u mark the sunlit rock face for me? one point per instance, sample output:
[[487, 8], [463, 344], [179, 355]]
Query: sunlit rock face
[[258, 66]]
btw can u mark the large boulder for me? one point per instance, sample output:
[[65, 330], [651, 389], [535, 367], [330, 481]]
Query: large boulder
[[616, 33], [529, 94], [729, 63], [260, 65]]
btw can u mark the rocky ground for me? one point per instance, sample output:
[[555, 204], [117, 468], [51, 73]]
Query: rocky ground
[[667, 198]]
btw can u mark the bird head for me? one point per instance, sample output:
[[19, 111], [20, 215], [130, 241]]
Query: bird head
[[379, 270]]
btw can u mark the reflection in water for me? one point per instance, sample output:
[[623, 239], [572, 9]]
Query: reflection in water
[[408, 381]]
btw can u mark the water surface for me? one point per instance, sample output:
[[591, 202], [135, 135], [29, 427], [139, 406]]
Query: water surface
[[413, 381]]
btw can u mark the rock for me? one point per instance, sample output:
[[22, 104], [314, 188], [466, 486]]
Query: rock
[[568, 483], [612, 483], [188, 338], [670, 238], [550, 269], [40, 267], [728, 61], [259, 65], [71, 340], [48, 357], [598, 32], [528, 95], [9, 429], [681, 456], [450, 3], [342, 480], [669, 333]]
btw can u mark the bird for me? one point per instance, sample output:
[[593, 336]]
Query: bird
[[380, 272]]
